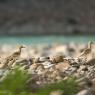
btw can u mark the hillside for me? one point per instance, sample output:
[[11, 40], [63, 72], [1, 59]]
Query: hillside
[[47, 16]]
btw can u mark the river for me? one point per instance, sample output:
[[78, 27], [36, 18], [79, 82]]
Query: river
[[28, 40]]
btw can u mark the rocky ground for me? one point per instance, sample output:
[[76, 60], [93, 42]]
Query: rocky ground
[[53, 63]]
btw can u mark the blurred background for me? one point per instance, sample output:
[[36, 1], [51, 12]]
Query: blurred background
[[38, 21]]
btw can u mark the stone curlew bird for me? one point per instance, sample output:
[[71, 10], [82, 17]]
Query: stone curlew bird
[[87, 50], [12, 57], [16, 54]]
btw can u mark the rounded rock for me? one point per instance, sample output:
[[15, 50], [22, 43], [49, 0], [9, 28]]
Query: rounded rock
[[85, 92], [43, 59], [58, 58]]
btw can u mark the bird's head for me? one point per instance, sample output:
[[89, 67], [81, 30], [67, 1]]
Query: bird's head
[[90, 43], [20, 47]]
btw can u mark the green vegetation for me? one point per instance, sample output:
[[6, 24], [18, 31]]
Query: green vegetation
[[15, 84], [69, 87]]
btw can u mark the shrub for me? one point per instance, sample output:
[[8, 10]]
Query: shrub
[[15, 84]]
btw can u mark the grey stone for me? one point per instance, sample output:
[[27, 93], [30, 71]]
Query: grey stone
[[43, 59], [21, 62], [85, 92]]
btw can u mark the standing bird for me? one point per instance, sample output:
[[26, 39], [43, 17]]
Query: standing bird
[[87, 50], [16, 54], [12, 58]]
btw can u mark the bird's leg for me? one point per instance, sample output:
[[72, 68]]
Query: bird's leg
[[10, 63]]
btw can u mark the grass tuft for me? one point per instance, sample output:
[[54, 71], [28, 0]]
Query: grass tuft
[[15, 84]]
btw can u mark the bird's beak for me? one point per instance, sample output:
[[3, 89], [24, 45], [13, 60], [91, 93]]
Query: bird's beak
[[23, 47]]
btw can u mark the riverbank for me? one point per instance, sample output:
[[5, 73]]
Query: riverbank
[[47, 64]]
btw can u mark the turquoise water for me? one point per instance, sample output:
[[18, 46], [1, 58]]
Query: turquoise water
[[44, 39]]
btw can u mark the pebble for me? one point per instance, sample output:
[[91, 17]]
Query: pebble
[[32, 69], [70, 71], [62, 66], [47, 64], [21, 62], [25, 67], [83, 68], [86, 92], [1, 72], [44, 59], [91, 62], [57, 92], [1, 65], [57, 58], [36, 60]]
